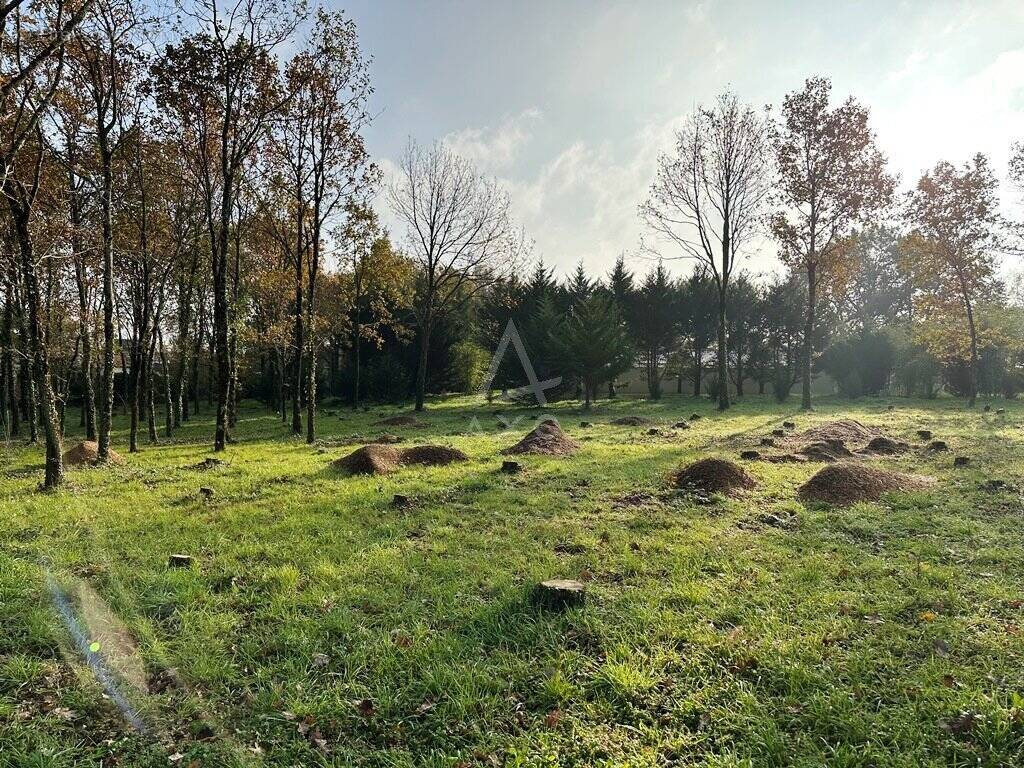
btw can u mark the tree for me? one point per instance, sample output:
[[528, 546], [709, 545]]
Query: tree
[[32, 64], [831, 177], [743, 310], [655, 325], [381, 280], [459, 231], [592, 343], [698, 299], [219, 87], [954, 213], [106, 63], [708, 198], [326, 167]]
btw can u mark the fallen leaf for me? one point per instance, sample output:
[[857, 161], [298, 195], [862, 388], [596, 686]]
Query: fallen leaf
[[928, 616], [553, 718], [962, 724]]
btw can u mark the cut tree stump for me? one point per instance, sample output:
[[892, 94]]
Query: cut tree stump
[[511, 467], [179, 561], [924, 434], [558, 594], [938, 445], [768, 441], [789, 425], [779, 432], [750, 455], [961, 461]]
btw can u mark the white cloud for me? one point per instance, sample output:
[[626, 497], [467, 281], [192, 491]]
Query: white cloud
[[495, 148]]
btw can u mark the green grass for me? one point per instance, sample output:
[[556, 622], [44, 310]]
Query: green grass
[[321, 626]]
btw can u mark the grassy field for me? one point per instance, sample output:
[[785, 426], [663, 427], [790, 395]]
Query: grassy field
[[318, 624]]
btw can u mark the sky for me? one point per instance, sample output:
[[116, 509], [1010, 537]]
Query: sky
[[570, 102]]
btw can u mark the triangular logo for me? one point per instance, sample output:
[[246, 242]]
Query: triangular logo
[[511, 334]]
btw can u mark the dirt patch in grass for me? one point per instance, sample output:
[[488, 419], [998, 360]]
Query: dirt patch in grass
[[369, 460], [713, 475], [546, 439], [399, 421], [631, 421], [847, 483], [432, 455], [831, 442], [375, 459], [87, 453]]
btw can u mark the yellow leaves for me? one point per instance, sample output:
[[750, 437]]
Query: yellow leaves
[[928, 616]]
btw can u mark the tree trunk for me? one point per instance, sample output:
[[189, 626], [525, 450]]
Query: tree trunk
[[808, 352], [723, 352], [169, 411], [356, 362], [421, 371], [107, 395], [54, 475], [299, 343], [972, 394], [698, 370]]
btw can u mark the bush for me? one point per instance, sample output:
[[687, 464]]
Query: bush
[[469, 362]]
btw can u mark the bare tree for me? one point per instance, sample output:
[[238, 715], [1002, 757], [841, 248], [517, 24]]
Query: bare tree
[[708, 198], [831, 177], [459, 231]]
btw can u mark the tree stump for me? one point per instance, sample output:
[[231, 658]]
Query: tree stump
[[681, 425], [779, 432], [924, 434], [511, 467], [559, 594], [750, 455], [768, 441], [788, 425], [938, 445], [961, 461], [179, 561], [401, 501]]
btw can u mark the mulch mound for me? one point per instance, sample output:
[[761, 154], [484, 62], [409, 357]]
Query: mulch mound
[[432, 455], [885, 446], [398, 421], [369, 460], [846, 483], [825, 451], [713, 475], [830, 442], [86, 454], [546, 439], [847, 430], [631, 421], [377, 459]]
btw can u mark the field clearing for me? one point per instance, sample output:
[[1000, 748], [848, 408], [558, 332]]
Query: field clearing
[[320, 624]]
